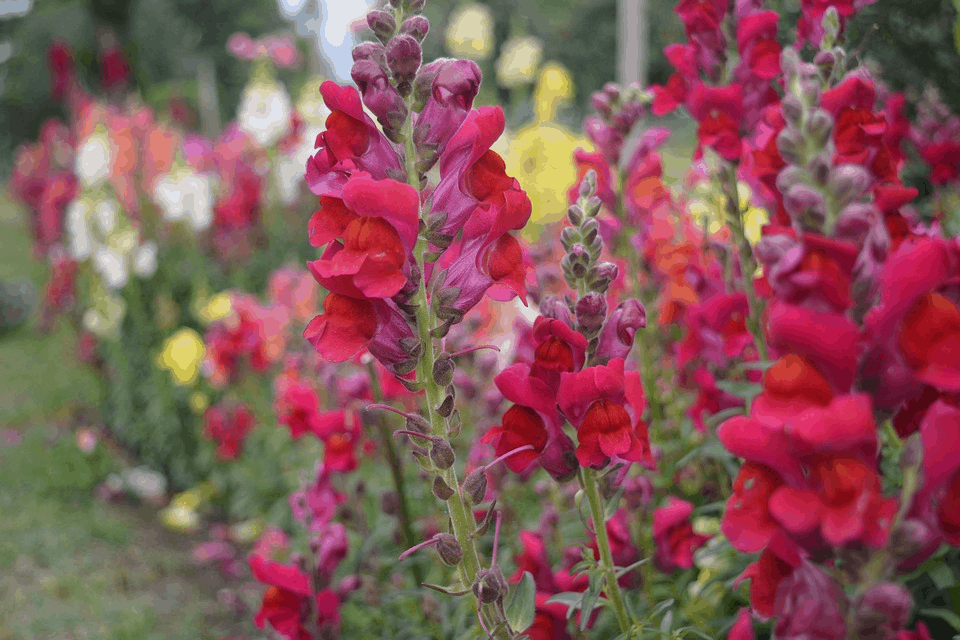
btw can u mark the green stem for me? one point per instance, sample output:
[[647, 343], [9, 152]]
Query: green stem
[[589, 479], [747, 264], [461, 515], [396, 470]]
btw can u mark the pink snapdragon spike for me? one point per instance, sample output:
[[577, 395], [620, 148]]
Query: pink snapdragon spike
[[742, 628]]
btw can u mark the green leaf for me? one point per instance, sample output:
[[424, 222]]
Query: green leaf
[[610, 508], [570, 599], [522, 604], [944, 614], [660, 608], [745, 390], [666, 624], [942, 576], [590, 597]]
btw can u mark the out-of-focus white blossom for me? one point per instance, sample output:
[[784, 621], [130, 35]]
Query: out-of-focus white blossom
[[93, 160], [112, 267], [310, 104], [78, 235], [291, 169], [470, 32], [264, 112], [106, 213], [145, 259], [518, 62], [185, 195]]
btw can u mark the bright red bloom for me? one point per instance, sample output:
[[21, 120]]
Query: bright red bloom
[[747, 521], [790, 386], [559, 350], [519, 426], [549, 620], [929, 339], [345, 326], [114, 67], [757, 41], [299, 410], [828, 340], [674, 536], [286, 603], [534, 559], [718, 110], [939, 496], [595, 401], [228, 428], [742, 629], [340, 446], [777, 562]]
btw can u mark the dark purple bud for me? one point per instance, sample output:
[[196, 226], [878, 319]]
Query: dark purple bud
[[449, 549], [417, 26], [575, 215], [413, 6], [620, 329], [790, 144], [441, 489], [403, 58], [848, 182], [912, 542], [790, 176], [379, 95], [559, 459], [475, 485], [820, 126], [490, 585], [882, 612], [809, 604], [443, 368], [589, 184], [855, 222], [591, 312], [382, 24], [792, 109], [612, 91], [801, 200], [819, 167], [370, 51], [589, 229], [557, 308], [441, 454]]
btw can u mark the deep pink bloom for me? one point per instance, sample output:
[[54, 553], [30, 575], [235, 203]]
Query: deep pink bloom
[[742, 628], [316, 503], [534, 559], [810, 604], [598, 402], [454, 85], [718, 110], [350, 143], [757, 41], [228, 428], [777, 563], [622, 548], [674, 536], [939, 496], [617, 335], [747, 522], [286, 603]]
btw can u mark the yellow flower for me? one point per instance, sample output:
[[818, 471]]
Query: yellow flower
[[541, 158], [218, 308], [247, 531], [180, 518], [181, 355], [199, 402], [518, 62], [470, 32], [554, 86]]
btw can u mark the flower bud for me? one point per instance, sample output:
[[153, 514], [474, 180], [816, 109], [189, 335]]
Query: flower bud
[[819, 168], [441, 454], [441, 489], [820, 126], [882, 612], [593, 206], [911, 455], [575, 215], [789, 62], [801, 201], [413, 6], [855, 221], [590, 229], [612, 91], [443, 368], [847, 182], [370, 51], [809, 604], [601, 103], [589, 184], [601, 275], [790, 176], [568, 237], [382, 24], [617, 336], [416, 26], [911, 542], [475, 485], [792, 109], [591, 312], [790, 144], [557, 308], [825, 59], [379, 95], [449, 549], [403, 57], [490, 585]]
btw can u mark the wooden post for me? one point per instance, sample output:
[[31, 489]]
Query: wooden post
[[632, 45]]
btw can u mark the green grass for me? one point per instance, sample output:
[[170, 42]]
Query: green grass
[[71, 566]]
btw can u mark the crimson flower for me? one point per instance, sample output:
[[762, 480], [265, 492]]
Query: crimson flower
[[747, 522], [596, 401], [286, 602], [719, 111], [757, 41], [228, 428], [674, 536]]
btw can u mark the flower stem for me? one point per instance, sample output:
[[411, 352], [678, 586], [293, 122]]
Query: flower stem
[[396, 470], [745, 252], [588, 478]]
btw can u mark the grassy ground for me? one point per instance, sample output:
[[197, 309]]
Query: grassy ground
[[71, 566]]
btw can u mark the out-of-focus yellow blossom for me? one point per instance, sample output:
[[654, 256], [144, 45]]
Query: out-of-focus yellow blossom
[[554, 86], [217, 308], [105, 317], [518, 62], [180, 518], [708, 212], [199, 402], [247, 531], [181, 355], [540, 156], [470, 32]]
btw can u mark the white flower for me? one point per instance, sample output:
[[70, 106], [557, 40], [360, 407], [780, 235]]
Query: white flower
[[185, 195], [145, 260], [76, 223], [112, 266], [93, 161], [470, 32], [292, 169], [264, 112], [518, 62], [107, 216], [92, 321]]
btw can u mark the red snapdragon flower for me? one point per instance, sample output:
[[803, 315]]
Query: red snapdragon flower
[[596, 401], [286, 602], [674, 536], [718, 110], [757, 41], [777, 562], [939, 497], [747, 522], [299, 410], [559, 349], [228, 428]]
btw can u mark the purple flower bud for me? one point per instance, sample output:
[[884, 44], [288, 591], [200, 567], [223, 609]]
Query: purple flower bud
[[819, 167], [559, 459], [809, 604], [912, 542], [601, 275], [490, 585], [591, 312], [820, 126], [792, 109], [417, 26], [379, 95], [790, 145], [557, 308], [403, 58], [790, 176], [441, 454], [449, 549], [801, 201], [848, 182], [882, 612], [348, 585], [443, 91], [382, 24], [601, 103], [825, 59], [370, 51], [855, 221], [617, 336], [612, 90]]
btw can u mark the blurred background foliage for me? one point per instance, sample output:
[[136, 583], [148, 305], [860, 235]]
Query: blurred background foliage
[[912, 41]]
